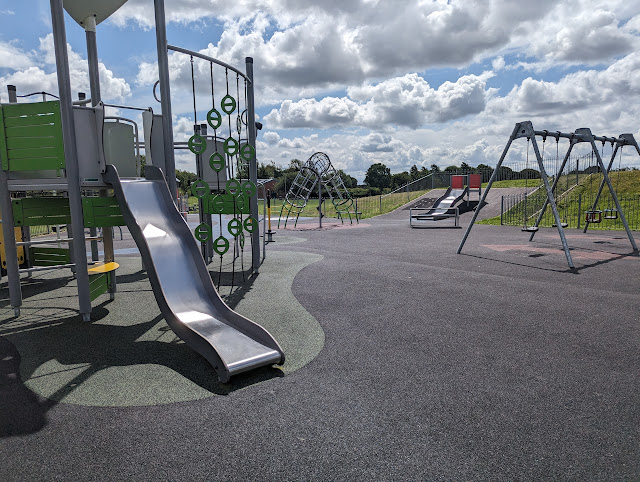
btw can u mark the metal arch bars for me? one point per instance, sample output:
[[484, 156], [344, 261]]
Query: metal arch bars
[[317, 172], [209, 59], [525, 129]]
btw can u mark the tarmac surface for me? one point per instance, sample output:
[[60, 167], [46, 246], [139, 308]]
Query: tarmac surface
[[405, 361]]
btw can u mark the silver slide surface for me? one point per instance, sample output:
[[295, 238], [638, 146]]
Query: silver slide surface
[[181, 282], [444, 203]]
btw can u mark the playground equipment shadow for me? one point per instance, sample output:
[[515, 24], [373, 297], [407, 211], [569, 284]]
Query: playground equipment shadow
[[498, 363]]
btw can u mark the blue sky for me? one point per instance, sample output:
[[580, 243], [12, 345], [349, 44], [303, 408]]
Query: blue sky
[[403, 82]]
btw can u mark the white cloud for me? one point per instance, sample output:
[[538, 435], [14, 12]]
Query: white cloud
[[28, 77], [405, 101]]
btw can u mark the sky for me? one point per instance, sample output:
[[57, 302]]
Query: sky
[[401, 82]]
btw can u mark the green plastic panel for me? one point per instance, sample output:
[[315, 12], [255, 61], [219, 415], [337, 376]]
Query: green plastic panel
[[41, 211], [101, 212], [31, 137], [99, 284], [226, 204], [44, 256]]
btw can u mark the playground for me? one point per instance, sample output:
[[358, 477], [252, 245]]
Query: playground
[[500, 362], [141, 341]]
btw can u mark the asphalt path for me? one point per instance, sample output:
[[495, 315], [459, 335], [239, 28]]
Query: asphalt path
[[498, 363]]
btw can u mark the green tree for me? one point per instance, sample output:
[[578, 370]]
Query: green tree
[[349, 181], [294, 165], [414, 172], [185, 179], [400, 179], [269, 171], [284, 182], [378, 175], [451, 168], [435, 168]]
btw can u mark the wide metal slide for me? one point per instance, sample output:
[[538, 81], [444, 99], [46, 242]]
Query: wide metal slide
[[181, 282], [442, 208]]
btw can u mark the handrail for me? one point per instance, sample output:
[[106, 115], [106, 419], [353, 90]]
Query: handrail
[[209, 59], [407, 185]]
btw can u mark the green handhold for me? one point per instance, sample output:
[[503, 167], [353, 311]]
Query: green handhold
[[203, 232], [247, 152], [200, 188], [221, 245], [228, 104], [216, 205], [240, 201], [232, 186], [214, 118], [249, 188], [231, 146], [197, 144], [234, 227], [216, 161], [250, 224]]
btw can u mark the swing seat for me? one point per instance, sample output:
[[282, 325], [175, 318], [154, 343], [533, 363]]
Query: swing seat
[[530, 229], [593, 216], [564, 225], [610, 214]]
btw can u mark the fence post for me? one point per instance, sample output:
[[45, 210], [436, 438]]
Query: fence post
[[380, 204], [407, 188], [501, 208], [579, 209]]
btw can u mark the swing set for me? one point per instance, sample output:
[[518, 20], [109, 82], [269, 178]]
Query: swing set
[[526, 130]]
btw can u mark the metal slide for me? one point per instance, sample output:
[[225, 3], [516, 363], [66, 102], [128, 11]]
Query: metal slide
[[440, 208], [181, 282]]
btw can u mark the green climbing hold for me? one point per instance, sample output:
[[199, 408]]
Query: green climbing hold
[[249, 188], [228, 104], [203, 232], [216, 161], [234, 227], [214, 118], [231, 146], [200, 188], [221, 245], [241, 202], [197, 144], [217, 205], [232, 186], [247, 152], [250, 224]]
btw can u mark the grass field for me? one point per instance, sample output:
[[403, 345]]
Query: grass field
[[574, 202]]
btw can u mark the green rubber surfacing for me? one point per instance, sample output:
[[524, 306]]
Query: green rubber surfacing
[[128, 356]]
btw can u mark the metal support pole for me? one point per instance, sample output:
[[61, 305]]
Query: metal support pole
[[597, 198], [10, 249], [319, 200], [13, 95], [201, 200], [165, 100], [71, 156], [514, 135], [253, 163], [96, 98], [589, 137], [552, 202], [501, 210]]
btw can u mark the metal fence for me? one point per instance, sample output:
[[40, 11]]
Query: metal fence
[[523, 210]]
